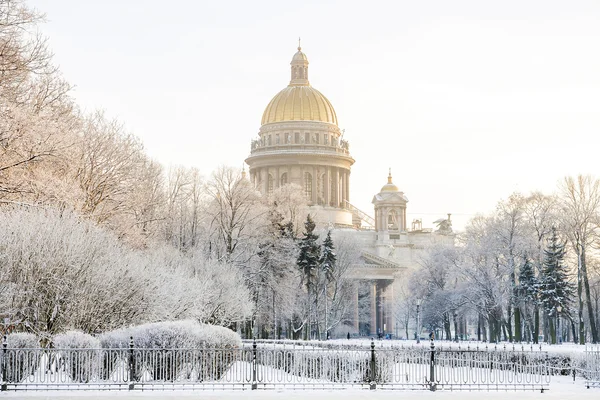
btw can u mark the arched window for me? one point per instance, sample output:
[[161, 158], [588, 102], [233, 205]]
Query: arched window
[[393, 220], [270, 184], [284, 180], [308, 185]]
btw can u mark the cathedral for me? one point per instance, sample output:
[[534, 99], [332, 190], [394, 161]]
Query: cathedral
[[300, 142]]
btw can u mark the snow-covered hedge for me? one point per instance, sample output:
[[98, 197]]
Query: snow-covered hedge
[[185, 334], [79, 353], [75, 340], [22, 355], [179, 349]]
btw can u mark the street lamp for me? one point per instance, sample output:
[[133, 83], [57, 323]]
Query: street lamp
[[418, 321], [558, 335]]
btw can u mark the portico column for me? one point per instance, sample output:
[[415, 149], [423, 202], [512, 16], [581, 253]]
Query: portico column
[[344, 189], [265, 180], [326, 186], [347, 194], [336, 188], [314, 185], [389, 306], [374, 308]]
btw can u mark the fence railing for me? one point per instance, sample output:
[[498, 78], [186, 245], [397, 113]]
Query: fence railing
[[591, 368], [270, 366]]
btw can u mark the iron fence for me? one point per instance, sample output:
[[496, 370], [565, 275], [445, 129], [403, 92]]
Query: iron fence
[[591, 366], [269, 366]]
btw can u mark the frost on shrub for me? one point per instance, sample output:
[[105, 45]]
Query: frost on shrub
[[22, 355], [185, 349], [79, 352], [172, 335]]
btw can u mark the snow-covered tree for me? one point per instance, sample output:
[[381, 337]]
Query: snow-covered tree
[[308, 264], [555, 288]]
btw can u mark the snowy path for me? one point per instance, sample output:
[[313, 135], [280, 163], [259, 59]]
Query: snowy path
[[561, 388]]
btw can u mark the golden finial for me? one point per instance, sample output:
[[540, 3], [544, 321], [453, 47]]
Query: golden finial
[[299, 48], [390, 176]]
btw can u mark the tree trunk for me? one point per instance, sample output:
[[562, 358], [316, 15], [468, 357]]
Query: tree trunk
[[454, 317], [536, 325], [508, 324], [580, 299], [447, 326], [518, 336], [552, 330]]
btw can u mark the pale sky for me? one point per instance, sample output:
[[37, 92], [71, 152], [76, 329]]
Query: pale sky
[[466, 101]]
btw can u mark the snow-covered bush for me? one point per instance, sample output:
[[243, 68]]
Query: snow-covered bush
[[188, 347], [185, 334], [22, 355], [79, 352]]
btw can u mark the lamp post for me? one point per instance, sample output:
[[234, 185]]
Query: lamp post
[[558, 335], [418, 321]]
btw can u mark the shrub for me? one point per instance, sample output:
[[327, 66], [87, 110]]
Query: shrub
[[178, 349], [79, 352], [23, 356]]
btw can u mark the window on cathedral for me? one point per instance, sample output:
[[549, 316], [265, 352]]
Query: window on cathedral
[[269, 140], [297, 137], [277, 138], [270, 184], [284, 179], [306, 137], [395, 237], [326, 139], [308, 185]]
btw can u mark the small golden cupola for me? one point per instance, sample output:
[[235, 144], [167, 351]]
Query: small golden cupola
[[389, 186], [299, 68]]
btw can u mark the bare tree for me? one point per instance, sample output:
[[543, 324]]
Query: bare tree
[[580, 204]]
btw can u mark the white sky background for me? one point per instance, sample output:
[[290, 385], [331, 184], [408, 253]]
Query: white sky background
[[467, 101]]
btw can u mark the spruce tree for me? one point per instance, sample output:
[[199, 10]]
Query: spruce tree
[[528, 294], [555, 288], [327, 263], [308, 264], [328, 258]]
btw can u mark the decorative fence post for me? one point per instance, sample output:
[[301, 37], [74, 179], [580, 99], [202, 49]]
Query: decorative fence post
[[373, 384], [130, 364], [254, 383], [432, 385], [4, 346]]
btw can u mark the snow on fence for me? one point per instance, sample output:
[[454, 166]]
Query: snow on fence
[[265, 366]]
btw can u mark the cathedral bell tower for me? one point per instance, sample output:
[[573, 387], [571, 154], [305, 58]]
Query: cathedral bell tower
[[390, 213]]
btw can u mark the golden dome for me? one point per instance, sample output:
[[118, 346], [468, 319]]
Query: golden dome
[[390, 187], [299, 101]]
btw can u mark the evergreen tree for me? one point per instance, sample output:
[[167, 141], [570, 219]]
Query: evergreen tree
[[328, 258], [308, 259], [528, 296], [555, 288], [327, 262], [308, 264]]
